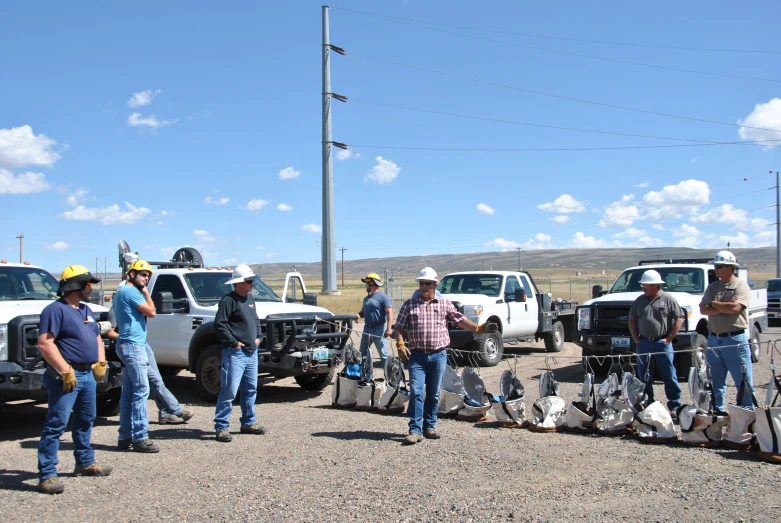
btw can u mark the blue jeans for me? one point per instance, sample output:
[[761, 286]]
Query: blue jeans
[[133, 422], [729, 354], [645, 365], [425, 373], [80, 401], [376, 336], [239, 369], [165, 401]]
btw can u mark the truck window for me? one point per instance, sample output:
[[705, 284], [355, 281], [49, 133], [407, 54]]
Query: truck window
[[676, 279], [295, 291], [526, 286], [511, 285], [774, 285], [487, 284], [170, 283], [23, 283]]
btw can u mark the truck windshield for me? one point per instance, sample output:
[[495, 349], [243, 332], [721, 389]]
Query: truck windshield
[[774, 285], [676, 279], [487, 284], [208, 287], [26, 283]]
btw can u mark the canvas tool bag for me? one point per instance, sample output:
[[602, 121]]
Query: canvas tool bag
[[654, 424], [396, 394], [615, 415], [700, 429], [344, 394], [476, 404], [740, 431], [452, 394], [369, 394], [767, 425], [510, 409], [549, 412], [582, 415]]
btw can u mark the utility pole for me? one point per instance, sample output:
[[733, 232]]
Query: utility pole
[[778, 226], [519, 258], [21, 237], [343, 249], [329, 244]]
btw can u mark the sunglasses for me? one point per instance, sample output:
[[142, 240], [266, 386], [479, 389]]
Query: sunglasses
[[144, 274], [427, 283], [720, 266]]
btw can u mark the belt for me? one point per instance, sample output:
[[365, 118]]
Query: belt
[[728, 334], [429, 351], [652, 338], [81, 367]]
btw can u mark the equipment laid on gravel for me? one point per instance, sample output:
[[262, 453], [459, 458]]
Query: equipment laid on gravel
[[509, 408], [548, 412], [476, 403]]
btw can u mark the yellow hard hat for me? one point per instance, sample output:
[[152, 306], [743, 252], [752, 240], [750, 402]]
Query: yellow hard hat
[[75, 278], [372, 276], [140, 265]]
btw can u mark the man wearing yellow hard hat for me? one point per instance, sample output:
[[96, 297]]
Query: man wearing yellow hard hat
[[377, 312]]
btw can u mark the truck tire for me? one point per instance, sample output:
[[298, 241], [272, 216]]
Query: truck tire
[[554, 340], [316, 381], [188, 254], [755, 344], [207, 373], [490, 350], [107, 404], [687, 360]]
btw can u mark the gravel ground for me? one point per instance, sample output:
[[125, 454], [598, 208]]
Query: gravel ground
[[320, 464]]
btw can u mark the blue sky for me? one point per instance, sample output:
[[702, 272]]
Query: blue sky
[[171, 124]]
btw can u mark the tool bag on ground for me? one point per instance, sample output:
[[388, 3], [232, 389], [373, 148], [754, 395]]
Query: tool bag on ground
[[396, 395], [344, 394], [615, 415], [740, 431], [767, 426], [653, 423], [700, 425], [476, 404], [549, 412], [509, 408], [582, 415], [451, 395], [369, 394]]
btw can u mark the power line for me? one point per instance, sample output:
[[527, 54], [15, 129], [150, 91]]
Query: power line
[[561, 38]]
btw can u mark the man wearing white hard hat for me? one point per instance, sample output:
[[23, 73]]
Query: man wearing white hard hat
[[238, 328], [423, 320], [654, 320], [725, 303]]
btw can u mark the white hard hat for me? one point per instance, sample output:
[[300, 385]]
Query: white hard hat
[[725, 258], [428, 274], [240, 274], [651, 277]]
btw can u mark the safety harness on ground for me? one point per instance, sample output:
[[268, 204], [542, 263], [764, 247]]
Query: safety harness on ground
[[509, 407], [548, 412], [700, 425]]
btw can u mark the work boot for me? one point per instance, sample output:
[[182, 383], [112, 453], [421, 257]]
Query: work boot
[[146, 446], [186, 414], [412, 439], [170, 419], [431, 434], [51, 485], [253, 429], [224, 436], [125, 444], [93, 469]]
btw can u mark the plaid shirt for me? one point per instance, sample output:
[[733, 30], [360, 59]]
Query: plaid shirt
[[425, 323]]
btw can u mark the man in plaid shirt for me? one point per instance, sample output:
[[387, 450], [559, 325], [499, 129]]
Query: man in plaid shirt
[[423, 320]]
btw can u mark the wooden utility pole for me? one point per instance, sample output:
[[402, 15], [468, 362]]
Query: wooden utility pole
[[519, 258], [21, 237], [343, 249]]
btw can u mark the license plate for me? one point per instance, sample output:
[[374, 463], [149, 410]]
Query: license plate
[[621, 342], [320, 354]]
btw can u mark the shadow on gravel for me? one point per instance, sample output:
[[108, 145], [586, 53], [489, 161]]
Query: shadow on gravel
[[182, 432], [739, 455], [14, 480], [361, 434], [183, 387]]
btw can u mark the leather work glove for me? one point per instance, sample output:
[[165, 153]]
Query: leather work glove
[[68, 380], [487, 327], [105, 326], [403, 351], [99, 370]]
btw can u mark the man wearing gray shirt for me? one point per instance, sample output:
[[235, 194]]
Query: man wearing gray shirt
[[654, 320]]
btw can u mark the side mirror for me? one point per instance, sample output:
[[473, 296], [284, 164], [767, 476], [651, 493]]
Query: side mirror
[[596, 291], [520, 295], [510, 296], [310, 298], [164, 302]]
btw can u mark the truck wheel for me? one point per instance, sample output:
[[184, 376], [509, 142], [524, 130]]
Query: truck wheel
[[107, 404], [188, 254], [490, 350], [316, 381], [554, 340], [696, 358], [755, 344], [165, 370], [207, 373]]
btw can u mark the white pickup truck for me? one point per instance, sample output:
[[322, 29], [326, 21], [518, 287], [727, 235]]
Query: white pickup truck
[[300, 339], [513, 301], [603, 322]]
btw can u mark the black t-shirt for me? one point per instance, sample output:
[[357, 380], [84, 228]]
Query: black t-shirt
[[237, 320]]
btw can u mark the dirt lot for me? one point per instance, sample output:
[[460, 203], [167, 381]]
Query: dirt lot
[[321, 464]]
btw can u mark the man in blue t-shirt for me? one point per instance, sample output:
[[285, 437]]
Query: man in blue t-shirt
[[69, 341], [132, 306], [377, 312]]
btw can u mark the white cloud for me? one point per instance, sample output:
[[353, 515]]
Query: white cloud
[[58, 246], [166, 213], [765, 116], [685, 231], [764, 239], [204, 236], [345, 154], [740, 240], [694, 160], [658, 226], [384, 172], [503, 244], [581, 241], [723, 214], [676, 201], [288, 173], [484, 209], [630, 233], [142, 98], [137, 120], [20, 148], [642, 185], [22, 183], [311, 228], [256, 204], [540, 241], [560, 219], [216, 201], [76, 197], [284, 207], [230, 260], [107, 215], [564, 204], [620, 213], [647, 241], [260, 247]]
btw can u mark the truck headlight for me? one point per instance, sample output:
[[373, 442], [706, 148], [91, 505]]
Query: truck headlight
[[688, 310], [584, 318], [3, 342], [473, 312]]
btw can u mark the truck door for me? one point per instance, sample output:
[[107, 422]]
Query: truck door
[[514, 322], [294, 289], [530, 309], [165, 332]]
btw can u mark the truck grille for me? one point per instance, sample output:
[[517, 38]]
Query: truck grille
[[612, 318]]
